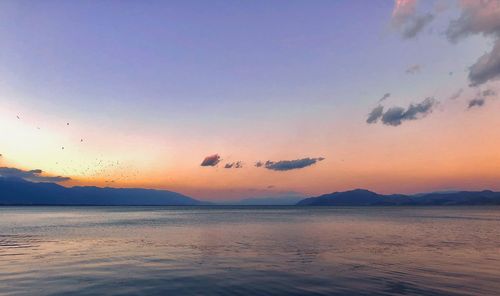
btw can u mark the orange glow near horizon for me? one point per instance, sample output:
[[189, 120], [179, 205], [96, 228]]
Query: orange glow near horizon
[[423, 158]]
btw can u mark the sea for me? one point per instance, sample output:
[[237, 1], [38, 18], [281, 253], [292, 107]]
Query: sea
[[251, 250]]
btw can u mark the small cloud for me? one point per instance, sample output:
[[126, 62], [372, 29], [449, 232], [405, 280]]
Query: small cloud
[[32, 175], [286, 165], [384, 97], [270, 187], [375, 114], [413, 69], [457, 94], [259, 164], [211, 160], [394, 116], [480, 99], [236, 165], [477, 102], [489, 93]]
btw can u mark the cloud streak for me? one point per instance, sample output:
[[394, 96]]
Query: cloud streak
[[384, 97], [287, 165], [31, 175]]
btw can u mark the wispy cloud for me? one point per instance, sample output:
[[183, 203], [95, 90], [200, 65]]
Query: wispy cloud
[[406, 19], [403, 10], [457, 94], [476, 102], [413, 69], [489, 93], [31, 175], [416, 25]]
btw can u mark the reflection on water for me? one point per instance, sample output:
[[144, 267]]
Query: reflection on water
[[249, 251]]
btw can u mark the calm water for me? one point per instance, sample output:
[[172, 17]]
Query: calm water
[[249, 251]]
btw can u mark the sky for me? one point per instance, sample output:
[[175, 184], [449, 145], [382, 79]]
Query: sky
[[223, 100]]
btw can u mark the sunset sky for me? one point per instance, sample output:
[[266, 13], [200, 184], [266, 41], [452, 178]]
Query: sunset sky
[[139, 93]]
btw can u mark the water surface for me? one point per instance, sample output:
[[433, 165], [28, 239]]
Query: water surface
[[249, 251]]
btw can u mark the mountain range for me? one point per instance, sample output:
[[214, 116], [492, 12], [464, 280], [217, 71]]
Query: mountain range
[[361, 197], [17, 191], [264, 201]]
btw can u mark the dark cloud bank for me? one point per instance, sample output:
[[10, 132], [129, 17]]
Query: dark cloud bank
[[479, 17]]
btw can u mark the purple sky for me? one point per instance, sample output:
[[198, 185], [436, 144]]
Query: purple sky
[[159, 85]]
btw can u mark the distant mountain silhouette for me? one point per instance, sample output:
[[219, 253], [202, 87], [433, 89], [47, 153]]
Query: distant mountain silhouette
[[265, 201], [361, 197], [16, 191]]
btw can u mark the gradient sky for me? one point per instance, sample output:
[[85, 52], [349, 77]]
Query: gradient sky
[[153, 87]]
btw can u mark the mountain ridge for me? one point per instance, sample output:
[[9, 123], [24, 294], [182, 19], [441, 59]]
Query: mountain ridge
[[17, 191], [363, 197]]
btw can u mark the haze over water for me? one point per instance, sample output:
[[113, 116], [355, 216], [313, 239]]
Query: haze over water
[[249, 251]]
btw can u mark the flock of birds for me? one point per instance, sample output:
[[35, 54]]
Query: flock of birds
[[110, 171]]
